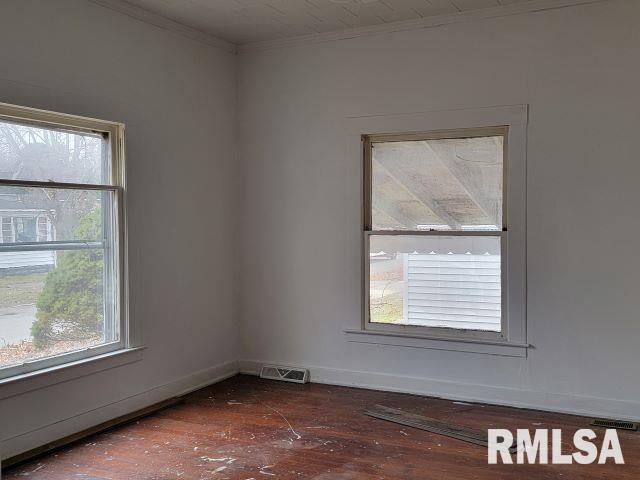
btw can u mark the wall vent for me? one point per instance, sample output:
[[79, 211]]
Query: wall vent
[[287, 374], [617, 424]]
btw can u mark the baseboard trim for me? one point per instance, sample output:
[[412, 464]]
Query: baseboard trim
[[544, 401], [23, 442], [76, 437]]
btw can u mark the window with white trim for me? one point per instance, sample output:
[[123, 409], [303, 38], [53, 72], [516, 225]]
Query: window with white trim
[[436, 232], [61, 255]]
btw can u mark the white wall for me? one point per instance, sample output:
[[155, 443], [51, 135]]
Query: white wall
[[177, 98], [578, 70]]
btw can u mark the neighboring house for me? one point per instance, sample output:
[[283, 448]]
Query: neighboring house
[[24, 225], [453, 289], [457, 286]]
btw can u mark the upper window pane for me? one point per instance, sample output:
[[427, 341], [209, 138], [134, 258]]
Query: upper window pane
[[444, 184], [39, 153]]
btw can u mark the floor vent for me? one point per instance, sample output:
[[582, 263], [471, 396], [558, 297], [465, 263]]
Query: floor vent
[[287, 374], [617, 424]]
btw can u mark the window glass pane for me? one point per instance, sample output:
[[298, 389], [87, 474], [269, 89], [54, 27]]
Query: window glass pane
[[435, 281], [448, 184], [38, 153], [54, 302], [33, 214], [25, 229]]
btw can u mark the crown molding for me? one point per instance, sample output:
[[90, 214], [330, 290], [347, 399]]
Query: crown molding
[[426, 22], [126, 8], [165, 23]]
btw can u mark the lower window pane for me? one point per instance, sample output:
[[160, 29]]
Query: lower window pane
[[54, 302], [435, 281]]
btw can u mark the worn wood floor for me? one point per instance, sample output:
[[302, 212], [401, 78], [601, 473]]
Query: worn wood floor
[[246, 428]]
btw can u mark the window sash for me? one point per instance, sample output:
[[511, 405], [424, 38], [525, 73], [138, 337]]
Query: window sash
[[52, 245], [444, 332], [367, 155], [113, 132], [115, 261], [113, 300]]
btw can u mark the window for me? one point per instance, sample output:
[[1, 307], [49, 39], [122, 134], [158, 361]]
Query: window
[[61, 255], [7, 230], [25, 229], [43, 229], [436, 232]]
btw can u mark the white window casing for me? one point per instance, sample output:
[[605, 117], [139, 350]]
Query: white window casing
[[17, 377], [488, 324]]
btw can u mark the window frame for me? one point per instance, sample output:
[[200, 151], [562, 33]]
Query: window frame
[[512, 340], [367, 145], [114, 133]]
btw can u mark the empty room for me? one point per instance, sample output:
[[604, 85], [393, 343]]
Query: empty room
[[319, 239]]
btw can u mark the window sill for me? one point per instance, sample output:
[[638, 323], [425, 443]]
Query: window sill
[[46, 377], [455, 344]]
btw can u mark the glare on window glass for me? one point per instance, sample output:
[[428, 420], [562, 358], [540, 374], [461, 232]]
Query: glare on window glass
[[446, 184], [29, 152]]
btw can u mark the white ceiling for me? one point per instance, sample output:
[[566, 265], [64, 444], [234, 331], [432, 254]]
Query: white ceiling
[[247, 21]]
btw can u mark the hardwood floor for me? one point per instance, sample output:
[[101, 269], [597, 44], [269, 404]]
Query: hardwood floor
[[246, 428]]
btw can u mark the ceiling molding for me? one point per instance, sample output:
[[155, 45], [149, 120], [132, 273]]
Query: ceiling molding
[[165, 23], [427, 22], [160, 21]]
